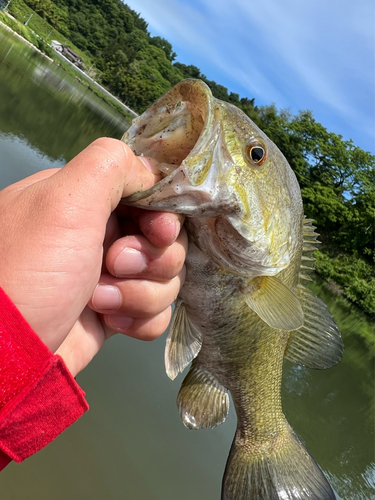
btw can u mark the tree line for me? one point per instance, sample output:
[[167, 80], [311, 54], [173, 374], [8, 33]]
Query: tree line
[[335, 175]]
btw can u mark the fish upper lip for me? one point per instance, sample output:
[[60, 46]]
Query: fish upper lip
[[186, 179]]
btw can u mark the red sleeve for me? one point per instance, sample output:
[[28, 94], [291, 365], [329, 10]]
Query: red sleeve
[[39, 398]]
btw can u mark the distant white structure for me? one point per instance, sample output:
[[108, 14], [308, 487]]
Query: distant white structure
[[57, 45]]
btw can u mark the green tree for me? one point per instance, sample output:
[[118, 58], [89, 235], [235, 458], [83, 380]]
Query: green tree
[[336, 177], [163, 44]]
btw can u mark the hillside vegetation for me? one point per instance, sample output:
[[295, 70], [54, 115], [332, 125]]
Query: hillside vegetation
[[335, 175]]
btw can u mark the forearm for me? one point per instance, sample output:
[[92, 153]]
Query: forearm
[[39, 398]]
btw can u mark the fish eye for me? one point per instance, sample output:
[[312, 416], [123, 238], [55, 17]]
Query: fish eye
[[257, 153]]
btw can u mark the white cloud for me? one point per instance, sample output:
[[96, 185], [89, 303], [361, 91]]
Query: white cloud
[[311, 54]]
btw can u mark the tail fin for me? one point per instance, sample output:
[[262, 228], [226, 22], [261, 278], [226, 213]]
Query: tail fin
[[287, 472]]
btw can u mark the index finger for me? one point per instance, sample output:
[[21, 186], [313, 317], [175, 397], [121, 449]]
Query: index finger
[[160, 228]]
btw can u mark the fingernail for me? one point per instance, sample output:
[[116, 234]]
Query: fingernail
[[128, 262], [106, 297], [177, 229], [119, 322], [150, 164]]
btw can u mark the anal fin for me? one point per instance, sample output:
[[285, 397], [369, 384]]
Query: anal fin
[[202, 401]]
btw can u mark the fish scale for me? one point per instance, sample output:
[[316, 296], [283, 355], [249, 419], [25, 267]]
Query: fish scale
[[243, 307]]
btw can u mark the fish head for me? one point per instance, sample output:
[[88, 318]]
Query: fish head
[[219, 169]]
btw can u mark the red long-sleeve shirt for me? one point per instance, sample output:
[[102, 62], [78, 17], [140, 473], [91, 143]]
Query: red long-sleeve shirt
[[39, 398]]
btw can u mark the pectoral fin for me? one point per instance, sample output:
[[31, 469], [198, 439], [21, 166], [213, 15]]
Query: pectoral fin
[[274, 303], [183, 343], [318, 343]]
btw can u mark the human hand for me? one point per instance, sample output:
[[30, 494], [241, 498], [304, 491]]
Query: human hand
[[63, 233]]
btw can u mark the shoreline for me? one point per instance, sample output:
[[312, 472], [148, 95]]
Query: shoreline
[[8, 28], [101, 89], [98, 86]]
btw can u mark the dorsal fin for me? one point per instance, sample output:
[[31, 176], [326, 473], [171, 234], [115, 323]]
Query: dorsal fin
[[274, 303], [318, 343], [183, 343], [309, 242]]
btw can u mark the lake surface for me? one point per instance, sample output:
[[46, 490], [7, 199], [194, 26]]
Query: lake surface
[[131, 445]]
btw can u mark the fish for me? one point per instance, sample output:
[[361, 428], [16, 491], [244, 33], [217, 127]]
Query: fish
[[244, 305]]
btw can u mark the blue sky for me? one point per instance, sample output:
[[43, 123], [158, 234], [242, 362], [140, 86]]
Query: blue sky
[[297, 54]]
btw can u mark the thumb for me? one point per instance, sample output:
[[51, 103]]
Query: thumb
[[103, 173], [53, 226]]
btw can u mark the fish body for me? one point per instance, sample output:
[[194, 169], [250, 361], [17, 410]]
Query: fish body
[[243, 306]]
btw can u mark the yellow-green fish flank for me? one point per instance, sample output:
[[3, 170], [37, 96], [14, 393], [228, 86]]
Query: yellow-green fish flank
[[243, 306]]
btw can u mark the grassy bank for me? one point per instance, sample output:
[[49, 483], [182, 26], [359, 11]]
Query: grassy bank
[[37, 27], [19, 28], [39, 32]]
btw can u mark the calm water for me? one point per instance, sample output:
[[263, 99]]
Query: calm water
[[131, 445]]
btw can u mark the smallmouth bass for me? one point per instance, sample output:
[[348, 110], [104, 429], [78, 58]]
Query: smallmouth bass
[[243, 306]]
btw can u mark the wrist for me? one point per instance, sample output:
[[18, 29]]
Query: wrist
[[39, 398]]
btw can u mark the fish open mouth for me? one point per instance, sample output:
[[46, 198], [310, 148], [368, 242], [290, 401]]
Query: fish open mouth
[[177, 132]]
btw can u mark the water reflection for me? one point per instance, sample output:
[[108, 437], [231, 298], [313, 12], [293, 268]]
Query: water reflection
[[132, 444], [50, 108], [15, 153], [333, 410]]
